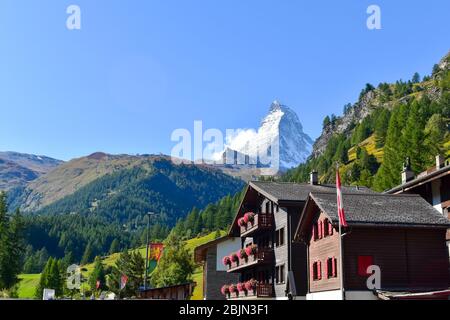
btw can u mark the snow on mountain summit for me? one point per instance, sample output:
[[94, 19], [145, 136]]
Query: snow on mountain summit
[[281, 125]]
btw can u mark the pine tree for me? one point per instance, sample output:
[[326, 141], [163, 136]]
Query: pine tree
[[115, 247], [98, 274], [51, 278], [394, 155], [12, 245], [416, 78], [326, 122], [4, 242], [175, 266], [88, 254], [413, 138], [132, 266]]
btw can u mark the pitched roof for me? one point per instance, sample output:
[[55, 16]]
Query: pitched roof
[[382, 209], [420, 180], [200, 251], [287, 191]]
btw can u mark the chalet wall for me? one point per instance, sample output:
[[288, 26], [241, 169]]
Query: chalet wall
[[298, 256], [281, 253], [321, 250], [408, 258], [224, 248], [214, 279]]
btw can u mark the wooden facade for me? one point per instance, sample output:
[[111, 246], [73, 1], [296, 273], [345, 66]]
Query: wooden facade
[[410, 258], [272, 233], [178, 292]]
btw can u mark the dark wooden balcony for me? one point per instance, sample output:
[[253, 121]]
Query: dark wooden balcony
[[263, 291], [262, 222], [262, 256]]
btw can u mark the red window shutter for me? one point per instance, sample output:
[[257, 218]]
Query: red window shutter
[[314, 232], [319, 270], [330, 229], [327, 271], [334, 267], [363, 263], [319, 229], [314, 270], [322, 231]]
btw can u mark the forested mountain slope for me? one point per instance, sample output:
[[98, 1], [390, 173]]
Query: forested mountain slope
[[387, 124]]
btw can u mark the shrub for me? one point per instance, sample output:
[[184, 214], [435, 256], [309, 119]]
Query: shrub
[[242, 222], [232, 288], [234, 257]]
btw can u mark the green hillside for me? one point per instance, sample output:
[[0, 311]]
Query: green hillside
[[27, 286]]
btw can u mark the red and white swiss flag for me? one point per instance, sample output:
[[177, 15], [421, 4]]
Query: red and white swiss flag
[[341, 212], [123, 282]]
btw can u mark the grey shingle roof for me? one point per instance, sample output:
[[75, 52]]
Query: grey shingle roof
[[285, 191], [381, 209]]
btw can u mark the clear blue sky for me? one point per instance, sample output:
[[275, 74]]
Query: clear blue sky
[[139, 69]]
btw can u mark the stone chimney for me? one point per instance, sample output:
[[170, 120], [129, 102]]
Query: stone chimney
[[314, 178], [407, 173], [440, 161]]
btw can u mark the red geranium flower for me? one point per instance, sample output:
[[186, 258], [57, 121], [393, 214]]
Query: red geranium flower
[[226, 261], [241, 287], [251, 285], [225, 290]]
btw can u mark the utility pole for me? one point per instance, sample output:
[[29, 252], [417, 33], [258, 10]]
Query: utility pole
[[149, 214]]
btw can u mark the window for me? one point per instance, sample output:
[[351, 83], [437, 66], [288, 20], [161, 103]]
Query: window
[[332, 267], [315, 232], [279, 237], [269, 207], [279, 274], [327, 228], [317, 271], [363, 263]]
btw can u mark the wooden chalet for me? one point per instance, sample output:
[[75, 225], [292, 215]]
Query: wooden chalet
[[269, 264], [433, 185], [401, 234], [215, 274], [176, 292]]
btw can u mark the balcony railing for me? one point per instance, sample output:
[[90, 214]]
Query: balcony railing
[[262, 291], [262, 256], [261, 221]]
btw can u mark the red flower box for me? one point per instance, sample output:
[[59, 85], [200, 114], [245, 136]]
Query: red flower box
[[225, 290], [242, 254], [226, 261], [249, 217], [241, 287], [251, 285]]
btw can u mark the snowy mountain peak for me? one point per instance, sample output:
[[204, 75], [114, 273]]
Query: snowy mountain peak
[[281, 127]]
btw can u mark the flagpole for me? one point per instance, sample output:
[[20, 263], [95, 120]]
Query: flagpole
[[341, 248], [341, 263]]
